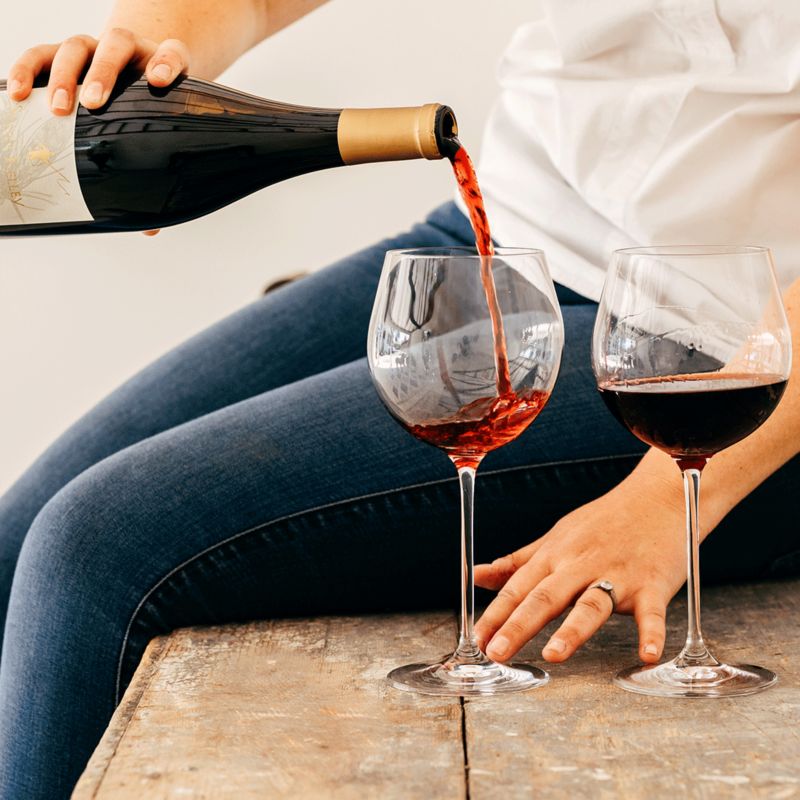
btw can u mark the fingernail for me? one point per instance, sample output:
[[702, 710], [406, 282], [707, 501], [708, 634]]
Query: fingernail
[[14, 86], [651, 650], [61, 100], [92, 94], [556, 646], [498, 647], [162, 72]]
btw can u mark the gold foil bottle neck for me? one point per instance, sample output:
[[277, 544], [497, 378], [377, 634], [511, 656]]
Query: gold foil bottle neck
[[391, 134]]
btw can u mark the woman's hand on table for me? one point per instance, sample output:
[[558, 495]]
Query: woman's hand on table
[[633, 536]]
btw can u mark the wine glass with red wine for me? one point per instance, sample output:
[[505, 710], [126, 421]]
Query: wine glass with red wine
[[464, 351], [692, 352]]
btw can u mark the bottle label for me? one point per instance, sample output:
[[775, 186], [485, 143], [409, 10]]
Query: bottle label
[[38, 174]]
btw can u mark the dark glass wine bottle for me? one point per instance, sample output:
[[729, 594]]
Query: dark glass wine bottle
[[154, 157]]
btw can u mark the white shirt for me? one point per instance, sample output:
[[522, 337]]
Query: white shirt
[[628, 122]]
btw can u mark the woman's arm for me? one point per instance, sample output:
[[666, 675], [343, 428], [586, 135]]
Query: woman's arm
[[631, 536], [215, 32], [157, 37]]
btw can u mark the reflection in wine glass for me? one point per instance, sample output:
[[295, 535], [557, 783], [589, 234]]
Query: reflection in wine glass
[[691, 353], [444, 372]]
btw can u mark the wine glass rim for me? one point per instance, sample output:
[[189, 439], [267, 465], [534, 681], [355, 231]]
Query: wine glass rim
[[461, 251], [694, 250]]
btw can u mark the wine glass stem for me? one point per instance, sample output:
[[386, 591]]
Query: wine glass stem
[[467, 644], [695, 650]]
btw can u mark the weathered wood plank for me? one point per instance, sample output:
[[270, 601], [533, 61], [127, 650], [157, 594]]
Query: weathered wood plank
[[299, 708], [95, 771], [284, 709], [581, 737]]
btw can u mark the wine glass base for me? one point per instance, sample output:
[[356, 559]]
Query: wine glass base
[[448, 677], [716, 680]]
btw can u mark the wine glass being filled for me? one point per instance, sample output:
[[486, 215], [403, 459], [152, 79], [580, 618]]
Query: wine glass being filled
[[464, 351]]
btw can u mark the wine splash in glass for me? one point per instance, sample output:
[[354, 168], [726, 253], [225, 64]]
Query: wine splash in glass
[[692, 352]]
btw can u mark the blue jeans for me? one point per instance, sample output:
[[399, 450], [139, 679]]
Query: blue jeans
[[253, 473]]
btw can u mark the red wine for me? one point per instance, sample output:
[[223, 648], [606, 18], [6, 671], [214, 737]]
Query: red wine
[[151, 157], [471, 194], [694, 416], [488, 422], [481, 426]]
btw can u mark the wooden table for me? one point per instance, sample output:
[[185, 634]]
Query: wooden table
[[300, 708]]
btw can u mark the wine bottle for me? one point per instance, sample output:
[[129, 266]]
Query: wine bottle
[[152, 157]]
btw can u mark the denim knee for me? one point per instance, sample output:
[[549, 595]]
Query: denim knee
[[63, 638], [72, 545]]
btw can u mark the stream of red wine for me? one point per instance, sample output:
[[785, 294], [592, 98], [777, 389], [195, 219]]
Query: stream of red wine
[[488, 422], [471, 194]]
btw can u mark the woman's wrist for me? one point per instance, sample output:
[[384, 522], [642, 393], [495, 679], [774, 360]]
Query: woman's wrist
[[215, 33], [655, 484]]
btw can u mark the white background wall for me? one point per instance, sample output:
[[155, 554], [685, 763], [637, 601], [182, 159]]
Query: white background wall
[[78, 315]]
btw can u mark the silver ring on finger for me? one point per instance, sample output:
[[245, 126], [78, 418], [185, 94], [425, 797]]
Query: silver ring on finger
[[608, 588]]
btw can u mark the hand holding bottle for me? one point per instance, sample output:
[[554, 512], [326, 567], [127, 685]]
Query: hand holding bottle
[[153, 37], [115, 51], [152, 157], [106, 58]]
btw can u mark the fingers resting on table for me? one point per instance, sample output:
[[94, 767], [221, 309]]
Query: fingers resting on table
[[537, 583]]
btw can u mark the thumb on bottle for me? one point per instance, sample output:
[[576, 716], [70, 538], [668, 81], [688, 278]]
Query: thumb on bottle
[[168, 62]]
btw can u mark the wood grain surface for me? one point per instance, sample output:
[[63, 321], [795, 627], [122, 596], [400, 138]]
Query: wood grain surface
[[284, 709], [581, 737], [300, 708]]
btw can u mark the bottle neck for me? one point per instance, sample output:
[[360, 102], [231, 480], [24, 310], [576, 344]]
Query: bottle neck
[[394, 134]]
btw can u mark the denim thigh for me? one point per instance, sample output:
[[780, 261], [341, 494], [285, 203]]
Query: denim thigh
[[305, 328], [304, 499]]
